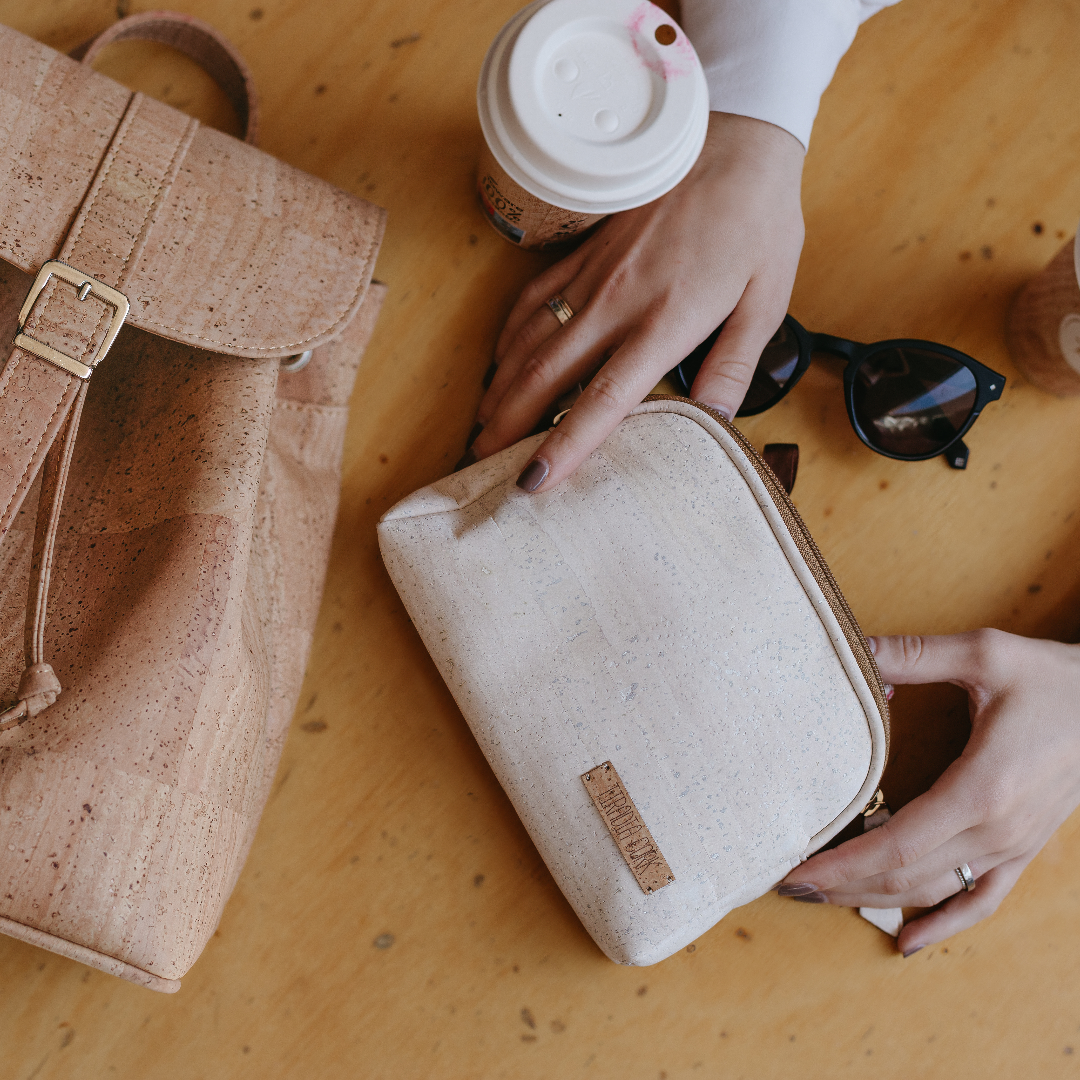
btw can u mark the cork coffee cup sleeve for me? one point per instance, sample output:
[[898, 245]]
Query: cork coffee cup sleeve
[[657, 664]]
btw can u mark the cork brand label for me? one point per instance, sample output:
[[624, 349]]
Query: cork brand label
[[627, 828]]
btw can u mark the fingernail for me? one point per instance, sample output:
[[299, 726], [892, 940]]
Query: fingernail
[[723, 410], [474, 434], [533, 475], [468, 459], [912, 952], [489, 375], [889, 691], [796, 888], [872, 642], [812, 898]]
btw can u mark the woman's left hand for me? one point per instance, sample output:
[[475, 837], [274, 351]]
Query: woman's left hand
[[994, 808]]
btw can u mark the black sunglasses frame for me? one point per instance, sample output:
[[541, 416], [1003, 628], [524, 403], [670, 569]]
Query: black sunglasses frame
[[989, 384]]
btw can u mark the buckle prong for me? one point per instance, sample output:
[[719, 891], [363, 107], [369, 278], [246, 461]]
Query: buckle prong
[[86, 286]]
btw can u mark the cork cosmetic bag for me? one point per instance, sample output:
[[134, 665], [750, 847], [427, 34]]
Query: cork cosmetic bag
[[188, 314], [656, 662]]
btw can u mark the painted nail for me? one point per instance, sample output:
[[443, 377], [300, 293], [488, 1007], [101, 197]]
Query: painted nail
[[812, 898], [533, 475], [912, 952], [796, 888], [489, 375], [474, 434], [468, 459]]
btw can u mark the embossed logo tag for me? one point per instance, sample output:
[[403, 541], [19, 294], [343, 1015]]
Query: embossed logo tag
[[627, 828]]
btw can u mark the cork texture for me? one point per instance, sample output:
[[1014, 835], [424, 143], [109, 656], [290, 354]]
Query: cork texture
[[1043, 322], [187, 581], [247, 255], [628, 830], [651, 611], [199, 506], [520, 216]]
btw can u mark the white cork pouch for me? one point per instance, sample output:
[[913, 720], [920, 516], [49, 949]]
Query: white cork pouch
[[657, 663]]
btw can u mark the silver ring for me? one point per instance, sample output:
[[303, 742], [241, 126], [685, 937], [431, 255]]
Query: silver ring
[[967, 878], [561, 309]]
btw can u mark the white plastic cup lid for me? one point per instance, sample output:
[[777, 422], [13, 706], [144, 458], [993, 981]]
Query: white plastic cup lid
[[593, 105]]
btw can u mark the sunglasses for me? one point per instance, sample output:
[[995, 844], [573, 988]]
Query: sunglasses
[[906, 399]]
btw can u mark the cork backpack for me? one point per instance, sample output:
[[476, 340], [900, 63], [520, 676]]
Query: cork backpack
[[187, 315]]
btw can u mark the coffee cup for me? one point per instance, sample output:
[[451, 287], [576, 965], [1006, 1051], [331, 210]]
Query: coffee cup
[[1043, 325], [588, 107]]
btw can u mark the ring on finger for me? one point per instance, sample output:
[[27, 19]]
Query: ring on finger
[[560, 309], [967, 878]]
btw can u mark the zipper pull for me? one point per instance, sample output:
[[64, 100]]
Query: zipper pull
[[890, 920], [873, 806]]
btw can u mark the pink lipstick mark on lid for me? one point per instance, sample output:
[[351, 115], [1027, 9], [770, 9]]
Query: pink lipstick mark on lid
[[672, 61]]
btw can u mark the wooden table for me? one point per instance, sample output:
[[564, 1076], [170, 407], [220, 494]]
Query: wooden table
[[394, 920]]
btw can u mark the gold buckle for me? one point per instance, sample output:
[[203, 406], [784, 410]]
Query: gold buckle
[[86, 286]]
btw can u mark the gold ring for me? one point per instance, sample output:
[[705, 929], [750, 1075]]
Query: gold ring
[[967, 878], [561, 309]]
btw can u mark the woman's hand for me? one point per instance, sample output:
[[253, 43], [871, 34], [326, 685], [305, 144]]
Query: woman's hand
[[646, 290], [994, 808]]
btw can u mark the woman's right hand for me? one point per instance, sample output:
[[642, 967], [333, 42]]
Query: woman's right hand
[[646, 289], [994, 808]]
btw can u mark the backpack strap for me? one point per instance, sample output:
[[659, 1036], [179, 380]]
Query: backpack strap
[[73, 310], [213, 52], [68, 322], [76, 305]]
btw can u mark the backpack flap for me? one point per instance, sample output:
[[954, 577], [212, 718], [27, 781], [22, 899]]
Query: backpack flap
[[243, 255]]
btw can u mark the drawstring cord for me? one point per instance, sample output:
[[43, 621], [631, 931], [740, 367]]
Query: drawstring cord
[[39, 687]]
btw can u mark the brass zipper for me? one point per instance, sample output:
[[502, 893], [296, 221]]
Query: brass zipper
[[812, 556]]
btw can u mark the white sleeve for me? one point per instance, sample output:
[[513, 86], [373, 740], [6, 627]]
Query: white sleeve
[[772, 59]]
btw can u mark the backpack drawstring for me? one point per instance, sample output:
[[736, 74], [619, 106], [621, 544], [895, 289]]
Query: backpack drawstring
[[39, 687]]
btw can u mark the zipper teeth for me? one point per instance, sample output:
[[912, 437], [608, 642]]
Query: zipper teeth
[[812, 555]]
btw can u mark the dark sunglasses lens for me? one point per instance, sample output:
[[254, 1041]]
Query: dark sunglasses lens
[[913, 402], [774, 370], [687, 371]]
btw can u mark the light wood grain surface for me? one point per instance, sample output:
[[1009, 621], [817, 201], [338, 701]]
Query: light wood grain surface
[[394, 921]]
